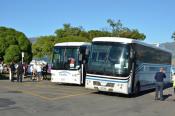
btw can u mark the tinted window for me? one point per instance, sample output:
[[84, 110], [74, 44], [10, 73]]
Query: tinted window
[[109, 59], [151, 55]]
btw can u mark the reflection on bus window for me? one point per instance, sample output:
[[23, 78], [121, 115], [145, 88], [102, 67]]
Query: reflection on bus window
[[102, 56], [65, 58], [109, 59]]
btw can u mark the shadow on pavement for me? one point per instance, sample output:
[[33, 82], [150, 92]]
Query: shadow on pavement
[[166, 96], [133, 96], [67, 84], [124, 95], [119, 94]]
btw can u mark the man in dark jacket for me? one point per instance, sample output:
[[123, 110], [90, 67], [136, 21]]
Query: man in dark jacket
[[12, 69], [20, 71], [44, 71], [159, 77]]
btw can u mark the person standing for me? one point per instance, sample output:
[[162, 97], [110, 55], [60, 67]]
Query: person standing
[[159, 77], [34, 71], [20, 71], [30, 68], [45, 68], [12, 71], [39, 72], [173, 79], [1, 68]]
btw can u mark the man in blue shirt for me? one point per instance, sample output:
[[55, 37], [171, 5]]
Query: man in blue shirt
[[159, 77]]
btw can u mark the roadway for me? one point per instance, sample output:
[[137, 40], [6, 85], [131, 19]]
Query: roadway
[[45, 98]]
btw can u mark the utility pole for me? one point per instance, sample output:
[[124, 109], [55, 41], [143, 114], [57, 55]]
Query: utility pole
[[22, 57]]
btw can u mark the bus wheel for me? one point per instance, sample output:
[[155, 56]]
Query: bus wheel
[[137, 89]]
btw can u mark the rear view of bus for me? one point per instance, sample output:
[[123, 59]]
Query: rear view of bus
[[68, 62], [124, 65]]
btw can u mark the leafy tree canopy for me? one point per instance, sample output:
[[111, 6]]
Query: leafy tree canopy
[[98, 33], [68, 30], [44, 44], [13, 53], [119, 31], [72, 39], [10, 38]]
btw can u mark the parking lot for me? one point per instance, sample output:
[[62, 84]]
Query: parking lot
[[46, 98]]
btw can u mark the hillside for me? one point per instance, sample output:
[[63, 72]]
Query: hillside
[[32, 39], [170, 46]]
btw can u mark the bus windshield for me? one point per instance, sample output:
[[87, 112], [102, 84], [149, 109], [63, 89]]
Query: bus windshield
[[109, 59], [65, 58]]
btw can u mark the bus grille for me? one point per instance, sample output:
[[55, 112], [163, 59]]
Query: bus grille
[[96, 83]]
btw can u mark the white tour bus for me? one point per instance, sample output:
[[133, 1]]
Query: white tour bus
[[69, 61], [124, 65]]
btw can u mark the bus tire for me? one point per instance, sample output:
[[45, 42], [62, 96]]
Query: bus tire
[[137, 89]]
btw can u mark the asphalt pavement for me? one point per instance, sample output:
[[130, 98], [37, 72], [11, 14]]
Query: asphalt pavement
[[45, 98]]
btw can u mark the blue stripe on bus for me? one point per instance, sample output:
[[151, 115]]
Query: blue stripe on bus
[[99, 79]]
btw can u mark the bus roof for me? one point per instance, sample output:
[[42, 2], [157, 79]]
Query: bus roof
[[72, 44], [126, 40]]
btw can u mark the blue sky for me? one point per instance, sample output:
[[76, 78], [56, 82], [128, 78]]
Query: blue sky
[[154, 18]]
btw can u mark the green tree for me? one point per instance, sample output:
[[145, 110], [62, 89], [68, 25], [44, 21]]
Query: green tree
[[116, 26], [134, 34], [3, 46], [119, 31], [8, 37], [84, 34], [68, 30], [98, 33], [13, 53], [72, 39], [43, 46]]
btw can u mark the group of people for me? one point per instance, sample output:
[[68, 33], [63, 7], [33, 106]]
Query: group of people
[[159, 78], [38, 71], [17, 71]]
